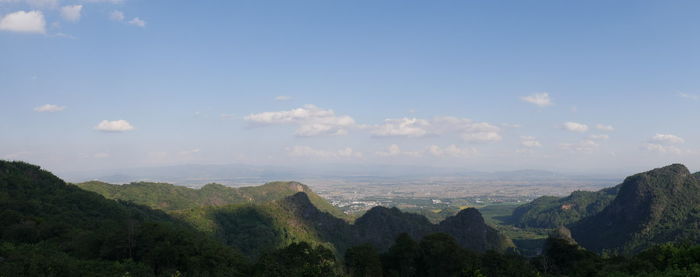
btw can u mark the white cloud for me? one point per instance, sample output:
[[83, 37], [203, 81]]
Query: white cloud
[[189, 152], [451, 151], [599, 137], [395, 150], [584, 146], [49, 108], [663, 149], [116, 16], [24, 22], [404, 127], [137, 22], [539, 99], [667, 139], [482, 137], [306, 151], [71, 13], [283, 98], [575, 127], [114, 126], [311, 121], [689, 96], [529, 142], [467, 129], [604, 127]]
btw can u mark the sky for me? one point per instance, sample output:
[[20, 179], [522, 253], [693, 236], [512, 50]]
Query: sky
[[577, 86]]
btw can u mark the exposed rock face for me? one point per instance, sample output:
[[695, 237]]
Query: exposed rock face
[[657, 206]]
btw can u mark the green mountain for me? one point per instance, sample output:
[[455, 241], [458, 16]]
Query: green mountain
[[50, 228], [169, 197], [259, 219], [551, 212], [661, 205], [256, 229]]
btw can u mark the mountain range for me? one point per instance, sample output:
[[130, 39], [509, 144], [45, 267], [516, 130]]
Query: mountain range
[[261, 218]]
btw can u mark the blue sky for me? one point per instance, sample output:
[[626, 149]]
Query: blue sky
[[580, 86]]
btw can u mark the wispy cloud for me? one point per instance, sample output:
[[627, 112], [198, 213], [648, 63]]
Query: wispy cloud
[[529, 142], [394, 150], [604, 127], [667, 139], [116, 15], [584, 146], [311, 121], [114, 126], [283, 98], [689, 96], [451, 151], [467, 129], [664, 144], [575, 127], [48, 108], [307, 151], [137, 22], [539, 99], [71, 13]]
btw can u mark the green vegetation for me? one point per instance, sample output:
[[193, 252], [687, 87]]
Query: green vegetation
[[550, 212], [278, 214], [51, 228], [651, 208], [169, 197]]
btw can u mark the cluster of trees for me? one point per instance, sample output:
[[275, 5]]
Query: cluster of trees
[[439, 255], [550, 212]]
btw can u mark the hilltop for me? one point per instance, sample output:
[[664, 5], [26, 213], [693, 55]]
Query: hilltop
[[170, 197], [657, 206], [51, 228], [551, 212]]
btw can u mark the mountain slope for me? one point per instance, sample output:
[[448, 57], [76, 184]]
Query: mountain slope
[[51, 228], [258, 228], [653, 207], [170, 197], [551, 212]]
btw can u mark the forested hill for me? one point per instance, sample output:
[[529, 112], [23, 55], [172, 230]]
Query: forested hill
[[271, 216], [169, 197], [50, 228], [551, 212], [653, 207]]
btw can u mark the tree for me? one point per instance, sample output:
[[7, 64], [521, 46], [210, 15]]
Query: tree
[[363, 261]]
